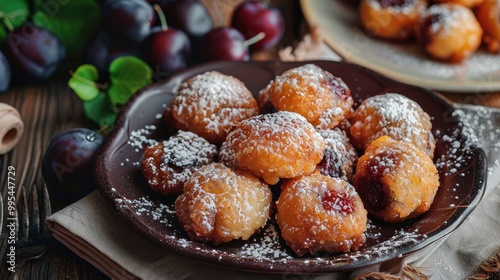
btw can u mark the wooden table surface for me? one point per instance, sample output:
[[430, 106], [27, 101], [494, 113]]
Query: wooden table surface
[[52, 107]]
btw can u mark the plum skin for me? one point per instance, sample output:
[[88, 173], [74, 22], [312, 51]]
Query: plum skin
[[68, 163], [4, 73], [34, 53]]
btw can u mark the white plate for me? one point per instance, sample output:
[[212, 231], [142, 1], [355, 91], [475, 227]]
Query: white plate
[[339, 24]]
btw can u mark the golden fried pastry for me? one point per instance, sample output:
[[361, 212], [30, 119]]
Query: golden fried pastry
[[391, 19], [318, 213], [220, 205], [488, 16], [210, 104], [323, 99], [276, 145], [168, 164], [394, 115], [396, 180], [466, 3], [449, 32], [339, 156]]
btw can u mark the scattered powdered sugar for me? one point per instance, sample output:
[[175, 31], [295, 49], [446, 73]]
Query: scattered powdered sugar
[[139, 139], [481, 128], [400, 239], [266, 247], [150, 207], [457, 153], [474, 129]]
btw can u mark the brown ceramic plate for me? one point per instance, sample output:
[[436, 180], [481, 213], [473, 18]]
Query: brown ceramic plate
[[462, 170]]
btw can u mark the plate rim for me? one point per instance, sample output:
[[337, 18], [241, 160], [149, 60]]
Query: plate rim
[[253, 265]]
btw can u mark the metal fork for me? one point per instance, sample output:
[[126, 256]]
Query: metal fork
[[33, 236]]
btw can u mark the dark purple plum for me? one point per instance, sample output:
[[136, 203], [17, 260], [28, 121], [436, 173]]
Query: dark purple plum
[[127, 21], [224, 43], [167, 50], [193, 18], [254, 17], [34, 53], [189, 16], [4, 73], [101, 51], [68, 164]]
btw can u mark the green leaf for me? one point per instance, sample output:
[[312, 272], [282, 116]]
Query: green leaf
[[83, 82], [100, 110], [74, 22], [3, 34], [13, 13], [127, 75]]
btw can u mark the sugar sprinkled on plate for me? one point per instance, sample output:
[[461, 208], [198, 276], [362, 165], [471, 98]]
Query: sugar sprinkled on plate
[[146, 206], [139, 138], [476, 129], [268, 248]]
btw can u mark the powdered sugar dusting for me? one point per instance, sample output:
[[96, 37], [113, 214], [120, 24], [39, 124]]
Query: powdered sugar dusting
[[394, 7], [339, 156], [214, 100], [282, 145], [187, 149], [400, 238], [145, 206], [274, 125], [394, 115], [481, 129], [322, 98], [268, 247], [168, 164], [310, 72], [139, 139], [460, 142], [448, 18], [220, 205]]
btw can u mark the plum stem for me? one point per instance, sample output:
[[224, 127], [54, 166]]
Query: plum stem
[[161, 15], [91, 137], [254, 39]]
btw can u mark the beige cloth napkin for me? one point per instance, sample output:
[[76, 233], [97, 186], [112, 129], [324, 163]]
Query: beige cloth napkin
[[91, 229]]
